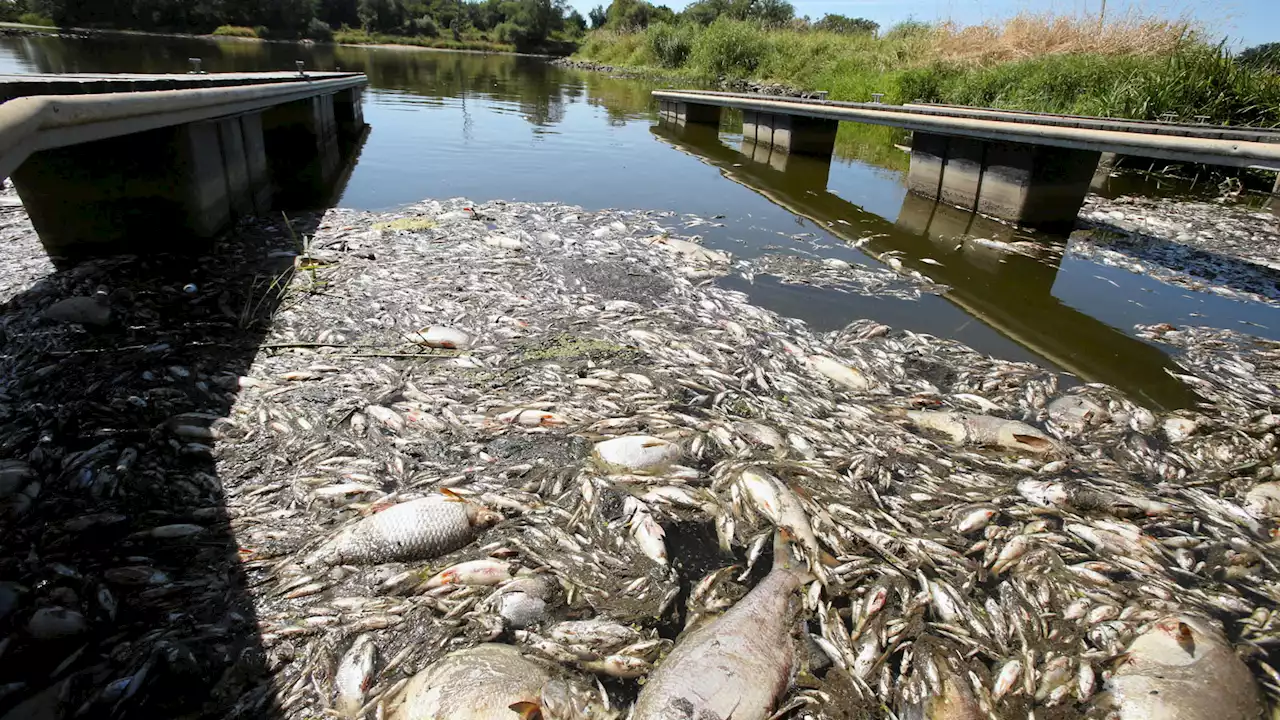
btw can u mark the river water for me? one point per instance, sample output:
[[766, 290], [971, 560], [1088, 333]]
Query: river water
[[487, 127]]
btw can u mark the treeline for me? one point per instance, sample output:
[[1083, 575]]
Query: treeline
[[525, 24], [633, 15]]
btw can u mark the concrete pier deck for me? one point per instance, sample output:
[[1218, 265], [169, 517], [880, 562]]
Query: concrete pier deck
[[1026, 168]]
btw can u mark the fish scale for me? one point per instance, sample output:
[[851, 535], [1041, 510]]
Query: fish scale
[[413, 530]]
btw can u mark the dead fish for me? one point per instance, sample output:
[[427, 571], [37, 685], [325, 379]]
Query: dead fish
[[93, 310], [413, 530], [504, 242], [937, 692], [646, 531], [438, 336], [597, 633], [1076, 412], [485, 682], [355, 674], [472, 572], [1263, 500], [737, 665], [985, 430], [1182, 669], [641, 454], [693, 251], [838, 372], [776, 502], [525, 600]]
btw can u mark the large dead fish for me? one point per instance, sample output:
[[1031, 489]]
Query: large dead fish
[[414, 530], [777, 502], [969, 429], [493, 681], [1181, 669], [736, 666]]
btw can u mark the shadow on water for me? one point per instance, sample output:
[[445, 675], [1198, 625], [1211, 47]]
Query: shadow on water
[[123, 590], [1213, 267], [1011, 293]]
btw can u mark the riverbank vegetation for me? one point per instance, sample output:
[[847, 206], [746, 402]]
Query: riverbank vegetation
[[1130, 66], [512, 25]]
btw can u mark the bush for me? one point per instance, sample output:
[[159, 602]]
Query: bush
[[36, 19], [1263, 57], [671, 44], [846, 25], [236, 31], [508, 32], [908, 29], [319, 31], [424, 25], [732, 48], [353, 36]]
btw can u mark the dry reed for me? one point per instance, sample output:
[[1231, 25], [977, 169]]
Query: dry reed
[[1030, 35]]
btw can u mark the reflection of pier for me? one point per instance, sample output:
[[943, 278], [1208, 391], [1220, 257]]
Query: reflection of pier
[[1009, 292]]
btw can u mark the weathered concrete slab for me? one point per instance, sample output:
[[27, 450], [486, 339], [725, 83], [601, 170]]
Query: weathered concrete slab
[[124, 171], [1016, 182], [1235, 147]]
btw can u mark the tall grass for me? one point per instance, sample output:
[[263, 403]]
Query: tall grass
[[1131, 66]]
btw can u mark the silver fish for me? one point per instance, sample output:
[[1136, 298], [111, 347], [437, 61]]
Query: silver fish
[[354, 676], [414, 530], [736, 666], [483, 683], [1182, 669]]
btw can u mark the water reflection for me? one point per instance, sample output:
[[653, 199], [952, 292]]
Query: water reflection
[[1009, 292]]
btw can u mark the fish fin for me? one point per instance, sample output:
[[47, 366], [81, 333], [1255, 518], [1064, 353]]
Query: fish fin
[[1036, 442], [452, 495], [526, 710]]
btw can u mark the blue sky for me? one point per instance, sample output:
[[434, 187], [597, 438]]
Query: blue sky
[[1245, 22]]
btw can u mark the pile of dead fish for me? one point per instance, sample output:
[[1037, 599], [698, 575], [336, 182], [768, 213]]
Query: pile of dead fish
[[1229, 251], [521, 460]]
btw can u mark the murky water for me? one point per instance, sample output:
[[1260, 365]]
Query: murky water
[[492, 127]]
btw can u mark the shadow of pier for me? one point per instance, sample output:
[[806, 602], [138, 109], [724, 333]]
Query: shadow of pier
[[1010, 292]]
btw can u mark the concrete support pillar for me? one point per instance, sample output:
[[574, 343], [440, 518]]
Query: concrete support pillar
[[693, 113], [302, 150], [148, 190], [348, 110], [205, 190], [255, 152], [790, 133], [750, 126], [235, 162], [1017, 182]]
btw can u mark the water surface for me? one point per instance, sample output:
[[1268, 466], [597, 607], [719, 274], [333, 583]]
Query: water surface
[[500, 127]]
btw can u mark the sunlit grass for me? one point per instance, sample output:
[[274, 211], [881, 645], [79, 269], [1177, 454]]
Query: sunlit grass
[[1131, 66]]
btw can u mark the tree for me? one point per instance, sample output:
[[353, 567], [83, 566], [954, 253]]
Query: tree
[[336, 13], [1265, 57], [598, 17], [576, 22], [381, 15], [629, 14], [770, 12], [850, 26]]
